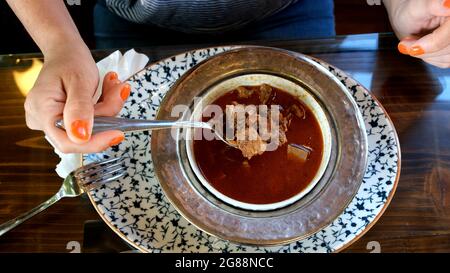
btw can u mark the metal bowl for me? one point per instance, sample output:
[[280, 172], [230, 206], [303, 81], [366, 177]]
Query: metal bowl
[[325, 201], [288, 86]]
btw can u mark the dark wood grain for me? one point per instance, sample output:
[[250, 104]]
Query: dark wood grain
[[370, 18], [416, 96]]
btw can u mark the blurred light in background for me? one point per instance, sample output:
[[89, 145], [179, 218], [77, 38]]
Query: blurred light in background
[[26, 79]]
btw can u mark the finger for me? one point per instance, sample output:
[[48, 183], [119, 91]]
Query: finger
[[42, 103], [434, 42], [30, 117], [403, 48], [110, 80], [438, 64], [442, 62], [32, 123], [113, 97], [97, 143], [423, 10], [438, 7], [79, 110], [406, 43], [113, 102]]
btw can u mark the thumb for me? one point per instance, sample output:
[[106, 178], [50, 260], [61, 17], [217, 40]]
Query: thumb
[[428, 45], [433, 42], [79, 112]]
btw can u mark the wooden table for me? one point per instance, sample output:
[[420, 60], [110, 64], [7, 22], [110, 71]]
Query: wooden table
[[416, 96]]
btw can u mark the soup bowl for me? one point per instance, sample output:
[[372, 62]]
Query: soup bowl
[[294, 89], [337, 180]]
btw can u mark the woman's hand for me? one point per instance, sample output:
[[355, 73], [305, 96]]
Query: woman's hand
[[65, 88], [423, 26], [68, 81]]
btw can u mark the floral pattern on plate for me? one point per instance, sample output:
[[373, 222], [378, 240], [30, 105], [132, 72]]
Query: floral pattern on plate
[[136, 208]]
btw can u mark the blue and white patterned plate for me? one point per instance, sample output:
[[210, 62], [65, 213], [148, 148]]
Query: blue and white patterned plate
[[136, 208]]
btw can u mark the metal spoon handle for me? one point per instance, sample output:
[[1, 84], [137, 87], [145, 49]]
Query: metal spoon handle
[[102, 124]]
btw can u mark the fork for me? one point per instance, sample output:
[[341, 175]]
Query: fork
[[76, 183]]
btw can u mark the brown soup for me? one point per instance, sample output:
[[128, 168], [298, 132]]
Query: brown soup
[[273, 176]]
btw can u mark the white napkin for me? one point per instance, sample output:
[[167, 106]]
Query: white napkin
[[125, 66]]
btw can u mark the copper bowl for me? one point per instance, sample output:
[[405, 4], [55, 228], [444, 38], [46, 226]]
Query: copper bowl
[[316, 209]]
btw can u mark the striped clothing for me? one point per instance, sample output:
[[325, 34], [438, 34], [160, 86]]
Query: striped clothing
[[197, 16]]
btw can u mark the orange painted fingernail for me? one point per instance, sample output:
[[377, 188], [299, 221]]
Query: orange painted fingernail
[[447, 4], [403, 49], [416, 50], [125, 92], [115, 141], [113, 76], [80, 129]]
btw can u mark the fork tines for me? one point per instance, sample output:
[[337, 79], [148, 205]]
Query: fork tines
[[96, 174]]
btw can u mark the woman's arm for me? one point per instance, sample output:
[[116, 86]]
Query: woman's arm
[[49, 24]]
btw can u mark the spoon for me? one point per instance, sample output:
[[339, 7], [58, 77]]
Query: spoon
[[102, 124]]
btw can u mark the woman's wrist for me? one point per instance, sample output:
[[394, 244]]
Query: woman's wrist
[[65, 46]]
